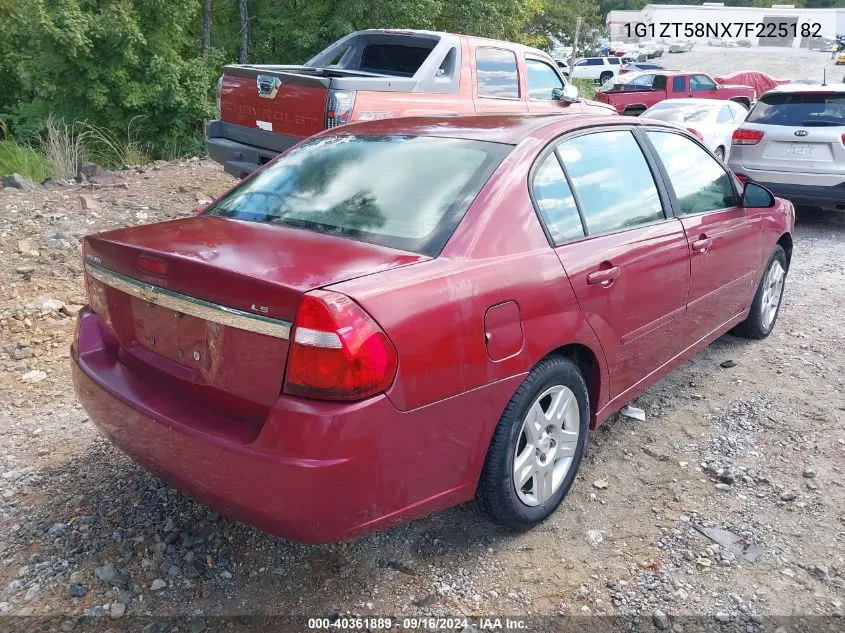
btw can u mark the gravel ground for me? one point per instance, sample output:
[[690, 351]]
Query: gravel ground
[[726, 503]]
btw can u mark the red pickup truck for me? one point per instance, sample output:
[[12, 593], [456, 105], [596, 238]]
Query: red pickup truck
[[380, 74], [634, 93]]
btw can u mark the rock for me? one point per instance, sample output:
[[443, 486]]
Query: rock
[[20, 353], [77, 577], [107, 574], [601, 484], [788, 495], [727, 477], [722, 617], [70, 309], [723, 487], [727, 364], [117, 610], [32, 592], [661, 621], [594, 537], [158, 584], [89, 203], [820, 572], [46, 303], [56, 529], [16, 181], [89, 170], [581, 593], [36, 375], [197, 625], [76, 591], [809, 473], [24, 246]]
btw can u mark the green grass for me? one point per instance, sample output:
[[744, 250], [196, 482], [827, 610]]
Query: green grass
[[586, 87], [21, 159]]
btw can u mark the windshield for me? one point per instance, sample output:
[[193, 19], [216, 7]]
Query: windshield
[[635, 81], [800, 109], [679, 114], [404, 192]]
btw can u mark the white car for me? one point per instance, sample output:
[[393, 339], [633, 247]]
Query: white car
[[680, 46], [713, 121], [600, 69]]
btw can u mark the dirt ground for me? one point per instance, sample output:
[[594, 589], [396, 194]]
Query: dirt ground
[[725, 505]]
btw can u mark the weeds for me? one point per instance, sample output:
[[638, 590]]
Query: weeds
[[63, 146], [109, 149], [23, 160]]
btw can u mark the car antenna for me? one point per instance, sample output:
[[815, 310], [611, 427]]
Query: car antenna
[[824, 76]]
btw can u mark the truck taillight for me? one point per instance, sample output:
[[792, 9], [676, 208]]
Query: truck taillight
[[339, 107], [219, 93], [337, 351], [746, 137]]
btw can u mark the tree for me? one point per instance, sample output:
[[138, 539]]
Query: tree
[[206, 28], [243, 57]]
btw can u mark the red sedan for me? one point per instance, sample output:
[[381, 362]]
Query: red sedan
[[398, 316]]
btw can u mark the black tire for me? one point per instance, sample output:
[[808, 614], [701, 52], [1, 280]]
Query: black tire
[[496, 496], [605, 77], [754, 326], [720, 153]]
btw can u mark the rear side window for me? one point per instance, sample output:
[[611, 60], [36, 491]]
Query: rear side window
[[496, 73], [394, 59], [542, 80], [725, 115], [614, 61], [555, 201], [679, 84], [799, 109], [404, 192], [612, 180], [700, 183]]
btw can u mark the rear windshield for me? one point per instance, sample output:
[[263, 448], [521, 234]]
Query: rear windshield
[[405, 192], [799, 109], [394, 59], [679, 114]]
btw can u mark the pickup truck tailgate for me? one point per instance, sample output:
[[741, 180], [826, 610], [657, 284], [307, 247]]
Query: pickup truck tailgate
[[284, 103]]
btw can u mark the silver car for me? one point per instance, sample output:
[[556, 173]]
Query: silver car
[[793, 143]]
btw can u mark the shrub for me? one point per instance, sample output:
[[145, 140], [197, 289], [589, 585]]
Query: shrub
[[21, 159]]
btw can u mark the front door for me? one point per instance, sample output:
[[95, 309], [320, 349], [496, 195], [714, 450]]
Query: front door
[[620, 249], [725, 239]]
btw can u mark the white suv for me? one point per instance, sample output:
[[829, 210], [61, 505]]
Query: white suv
[[792, 143], [599, 68]]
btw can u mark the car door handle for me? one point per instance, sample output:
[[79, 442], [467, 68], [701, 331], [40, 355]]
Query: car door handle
[[702, 244], [603, 276]]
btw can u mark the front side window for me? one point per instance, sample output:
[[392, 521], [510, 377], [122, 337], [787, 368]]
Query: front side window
[[697, 83], [700, 183], [542, 80], [404, 192], [612, 180], [496, 73], [555, 201]]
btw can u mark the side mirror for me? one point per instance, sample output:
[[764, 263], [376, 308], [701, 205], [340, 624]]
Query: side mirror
[[568, 93], [757, 196]]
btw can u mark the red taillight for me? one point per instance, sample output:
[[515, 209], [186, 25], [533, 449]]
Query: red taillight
[[695, 133], [152, 266], [337, 351], [843, 139], [746, 137], [339, 107]]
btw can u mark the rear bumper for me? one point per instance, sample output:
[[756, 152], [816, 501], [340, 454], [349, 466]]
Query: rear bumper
[[825, 197], [242, 150], [810, 189], [315, 472]]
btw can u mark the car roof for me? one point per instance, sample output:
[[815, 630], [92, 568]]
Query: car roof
[[473, 38], [809, 88], [506, 129]]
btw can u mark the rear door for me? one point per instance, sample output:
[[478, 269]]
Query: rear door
[[725, 239], [627, 260], [802, 132], [497, 89]]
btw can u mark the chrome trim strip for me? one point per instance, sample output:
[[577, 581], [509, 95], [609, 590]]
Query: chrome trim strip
[[192, 306]]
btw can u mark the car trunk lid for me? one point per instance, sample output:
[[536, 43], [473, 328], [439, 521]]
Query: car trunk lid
[[206, 303], [796, 149]]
